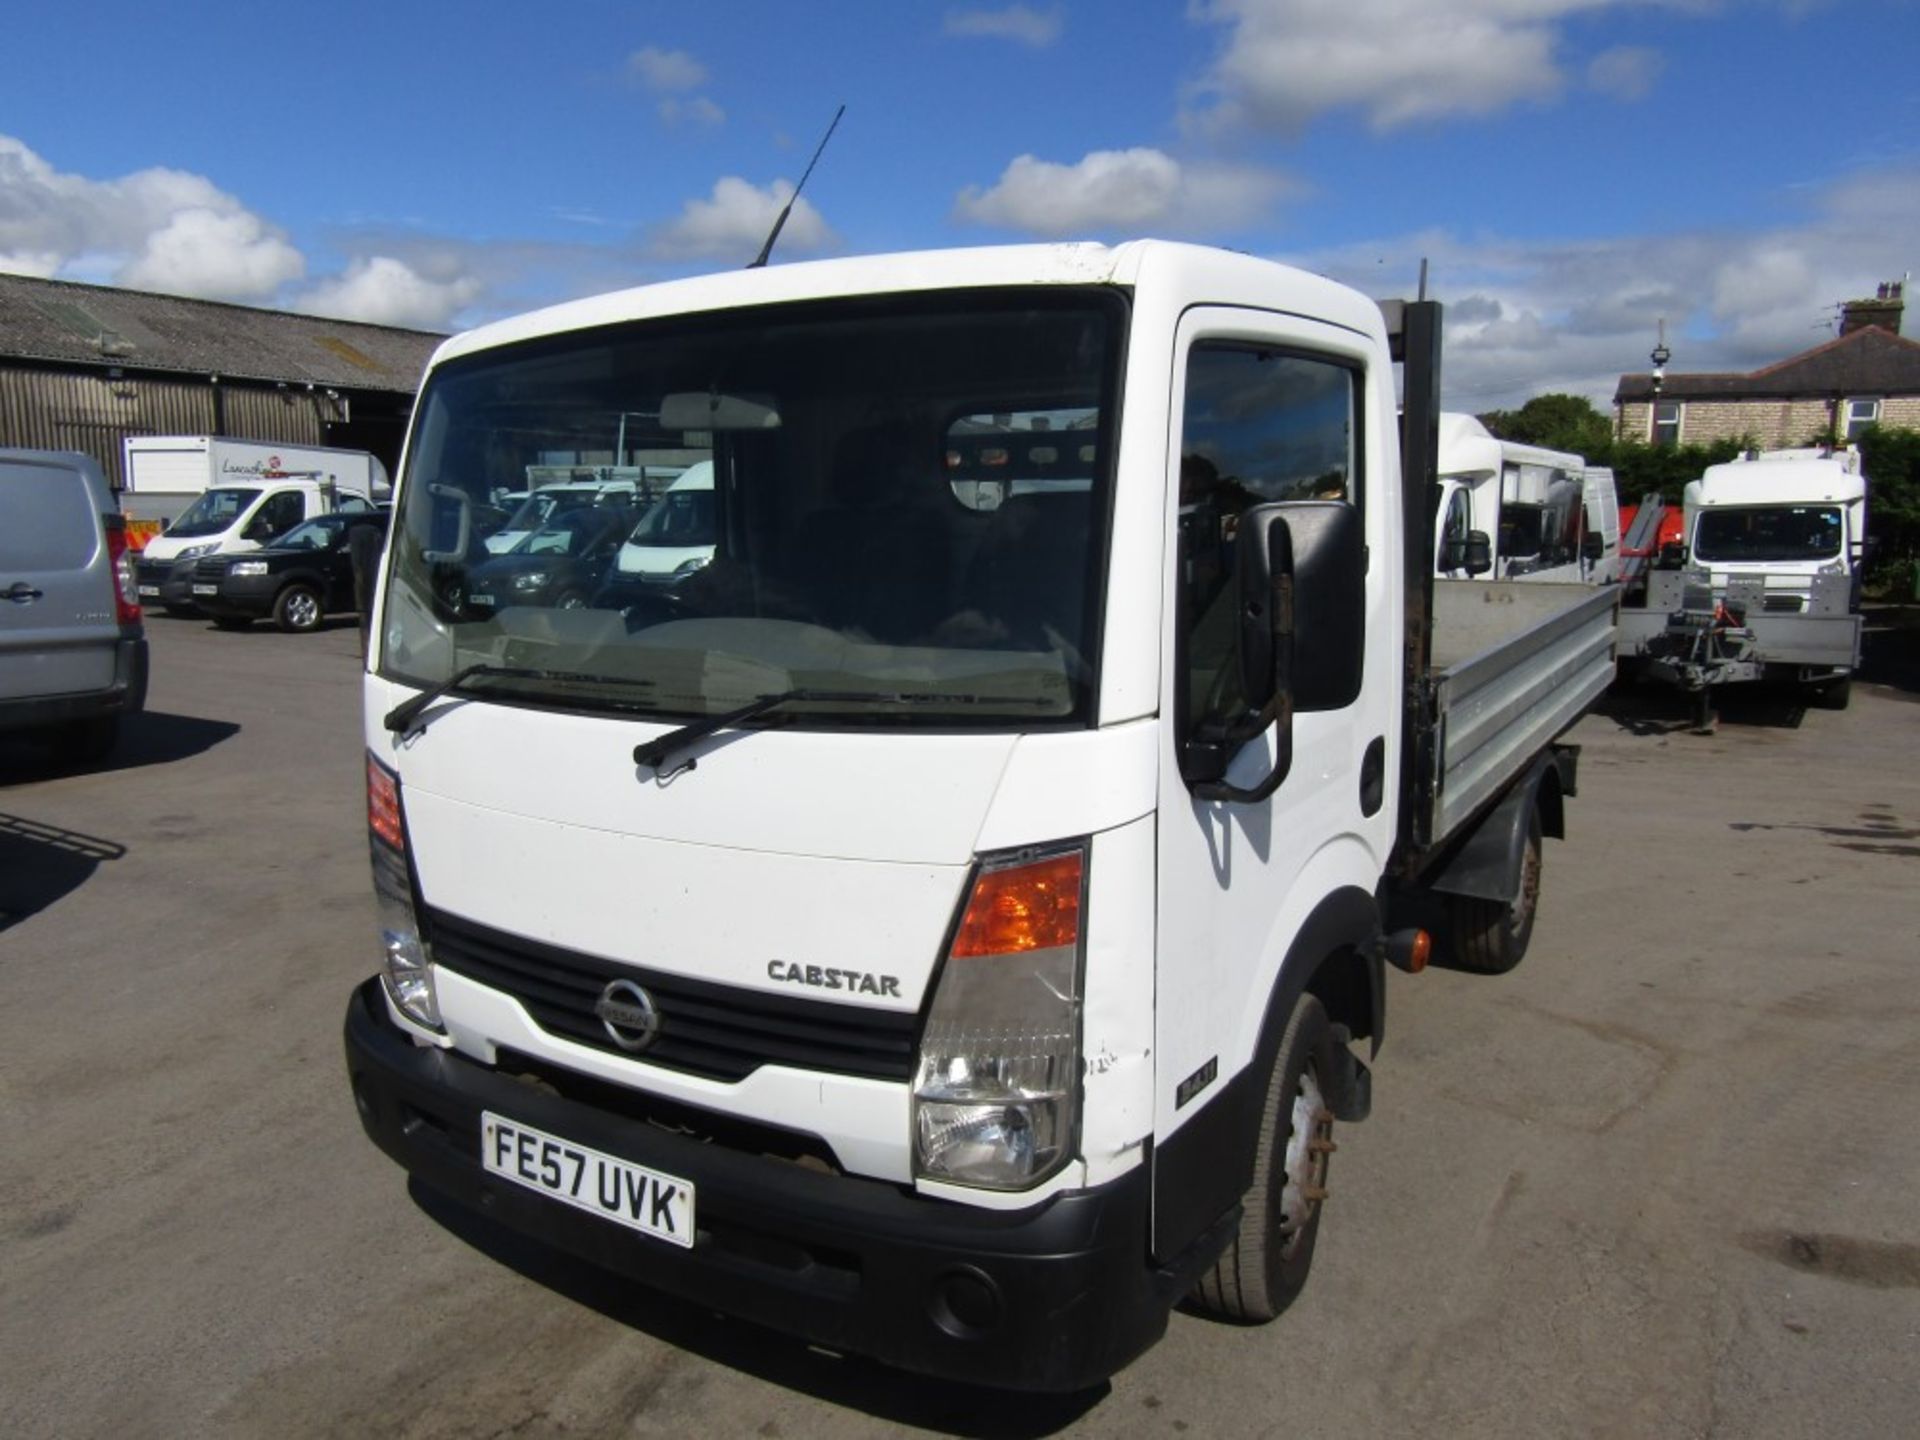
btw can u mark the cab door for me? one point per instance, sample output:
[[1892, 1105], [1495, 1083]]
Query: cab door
[[1265, 407]]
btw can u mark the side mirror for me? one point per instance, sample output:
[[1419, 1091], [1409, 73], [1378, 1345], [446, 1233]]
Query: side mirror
[[258, 531], [1593, 547], [1473, 554], [1301, 571]]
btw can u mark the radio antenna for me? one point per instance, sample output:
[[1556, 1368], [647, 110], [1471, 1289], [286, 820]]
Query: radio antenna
[[786, 210]]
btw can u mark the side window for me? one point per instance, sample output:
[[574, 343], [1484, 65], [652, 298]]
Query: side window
[[281, 512], [1260, 425]]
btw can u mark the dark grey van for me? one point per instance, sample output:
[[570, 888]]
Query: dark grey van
[[73, 655]]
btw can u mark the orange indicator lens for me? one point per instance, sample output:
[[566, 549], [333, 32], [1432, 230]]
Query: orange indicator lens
[[1024, 907], [383, 805]]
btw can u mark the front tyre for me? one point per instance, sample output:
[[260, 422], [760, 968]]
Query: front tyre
[[1265, 1265], [298, 609]]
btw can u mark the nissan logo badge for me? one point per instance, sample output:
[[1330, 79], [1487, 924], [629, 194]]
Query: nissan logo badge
[[628, 1014]]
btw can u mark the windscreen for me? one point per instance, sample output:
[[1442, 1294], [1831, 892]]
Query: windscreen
[[214, 512], [898, 505], [1768, 532]]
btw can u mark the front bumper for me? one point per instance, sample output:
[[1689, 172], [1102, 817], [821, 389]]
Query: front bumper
[[168, 583], [127, 693], [249, 595], [1054, 1298]]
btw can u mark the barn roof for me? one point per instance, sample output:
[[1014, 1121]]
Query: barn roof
[[60, 321]]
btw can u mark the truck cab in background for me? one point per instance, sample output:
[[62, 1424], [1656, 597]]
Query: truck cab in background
[[1542, 514], [1767, 585], [1784, 517]]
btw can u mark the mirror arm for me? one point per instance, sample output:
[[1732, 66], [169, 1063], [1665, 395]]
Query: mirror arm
[[1280, 709]]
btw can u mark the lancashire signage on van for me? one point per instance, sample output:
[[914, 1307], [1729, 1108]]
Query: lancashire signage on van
[[270, 468]]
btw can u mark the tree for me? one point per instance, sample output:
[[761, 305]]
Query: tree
[[1556, 421], [1891, 460]]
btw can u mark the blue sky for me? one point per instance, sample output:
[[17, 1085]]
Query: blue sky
[[1575, 169]]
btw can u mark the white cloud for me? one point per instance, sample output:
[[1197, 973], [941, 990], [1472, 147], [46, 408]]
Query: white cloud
[[1120, 190], [733, 222], [697, 111], [1021, 23], [232, 256], [1626, 72], [1398, 61], [381, 290], [1527, 317], [156, 229], [666, 72]]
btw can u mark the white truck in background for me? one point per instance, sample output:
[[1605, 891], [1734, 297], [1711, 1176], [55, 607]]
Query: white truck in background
[[948, 924], [1770, 587], [1521, 512], [164, 474]]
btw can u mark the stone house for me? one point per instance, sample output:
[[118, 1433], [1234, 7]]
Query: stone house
[[1868, 375]]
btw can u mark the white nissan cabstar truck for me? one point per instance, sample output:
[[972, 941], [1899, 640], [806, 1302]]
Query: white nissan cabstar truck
[[947, 925]]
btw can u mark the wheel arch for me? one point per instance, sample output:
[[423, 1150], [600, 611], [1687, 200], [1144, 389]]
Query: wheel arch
[[1204, 1167], [1485, 863]]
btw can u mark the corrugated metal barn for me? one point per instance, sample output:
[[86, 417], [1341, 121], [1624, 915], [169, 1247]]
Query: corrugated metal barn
[[84, 366]]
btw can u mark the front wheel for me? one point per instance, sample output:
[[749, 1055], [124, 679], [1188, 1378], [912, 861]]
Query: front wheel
[[298, 609], [1265, 1265], [1490, 936]]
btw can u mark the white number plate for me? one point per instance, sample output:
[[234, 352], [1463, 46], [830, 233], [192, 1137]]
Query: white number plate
[[149, 589], [481, 599], [618, 1190], [206, 589]]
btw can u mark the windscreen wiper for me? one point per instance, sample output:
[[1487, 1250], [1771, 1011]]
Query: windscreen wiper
[[654, 754], [401, 719]]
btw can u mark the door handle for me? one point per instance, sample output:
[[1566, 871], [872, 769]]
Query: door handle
[[22, 593], [1373, 774]]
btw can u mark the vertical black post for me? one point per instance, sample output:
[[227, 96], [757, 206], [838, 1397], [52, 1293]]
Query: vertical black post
[[1419, 477]]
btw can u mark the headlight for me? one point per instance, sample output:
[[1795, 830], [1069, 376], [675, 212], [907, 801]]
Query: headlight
[[530, 580], [247, 567], [406, 965], [996, 1094], [1835, 568], [194, 552], [688, 567]]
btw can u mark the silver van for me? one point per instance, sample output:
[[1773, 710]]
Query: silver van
[[73, 654]]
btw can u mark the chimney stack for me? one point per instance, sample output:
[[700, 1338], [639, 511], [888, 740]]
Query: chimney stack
[[1884, 310]]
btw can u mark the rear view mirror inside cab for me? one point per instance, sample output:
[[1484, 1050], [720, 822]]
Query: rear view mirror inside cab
[[711, 410]]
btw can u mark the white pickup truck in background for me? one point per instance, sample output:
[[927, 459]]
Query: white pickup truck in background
[[948, 925]]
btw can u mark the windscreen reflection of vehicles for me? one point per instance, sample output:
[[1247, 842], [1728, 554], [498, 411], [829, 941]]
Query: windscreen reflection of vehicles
[[563, 562], [549, 503], [947, 924], [298, 579], [1766, 585], [676, 535]]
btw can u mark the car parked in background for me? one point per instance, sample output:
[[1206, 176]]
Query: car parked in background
[[549, 502], [73, 652], [299, 579], [560, 564]]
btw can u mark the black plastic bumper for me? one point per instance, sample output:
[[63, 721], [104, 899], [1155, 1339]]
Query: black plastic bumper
[[172, 578], [127, 693], [1057, 1297], [248, 595]]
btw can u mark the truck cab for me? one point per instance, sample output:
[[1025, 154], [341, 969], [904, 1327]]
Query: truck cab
[[949, 923], [1783, 518]]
